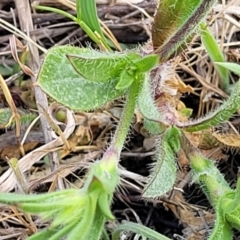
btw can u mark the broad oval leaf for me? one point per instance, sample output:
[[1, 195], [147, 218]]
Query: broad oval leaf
[[59, 80]]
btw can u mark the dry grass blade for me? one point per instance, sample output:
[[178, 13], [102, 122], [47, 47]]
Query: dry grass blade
[[9, 27], [8, 181], [14, 43], [28, 223], [11, 104], [21, 180], [54, 126]]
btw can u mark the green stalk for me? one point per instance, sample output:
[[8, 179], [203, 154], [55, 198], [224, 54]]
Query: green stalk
[[206, 173], [81, 23], [127, 115], [213, 182]]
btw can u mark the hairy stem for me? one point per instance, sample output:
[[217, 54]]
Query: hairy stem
[[206, 173], [127, 115]]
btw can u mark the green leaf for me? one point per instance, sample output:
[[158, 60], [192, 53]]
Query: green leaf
[[174, 22], [97, 227], [125, 80], [234, 67], [222, 230], [5, 70], [220, 115], [39, 208], [11, 198], [215, 54], [84, 226], [66, 215], [134, 69], [163, 174], [64, 230], [87, 13], [149, 109], [6, 114], [233, 218], [43, 235], [104, 202], [172, 136], [146, 63], [60, 81], [137, 228], [230, 207], [99, 66]]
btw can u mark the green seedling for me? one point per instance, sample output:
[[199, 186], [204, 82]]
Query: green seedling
[[215, 55], [85, 79]]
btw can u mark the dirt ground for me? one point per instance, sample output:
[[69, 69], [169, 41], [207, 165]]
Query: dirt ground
[[180, 214]]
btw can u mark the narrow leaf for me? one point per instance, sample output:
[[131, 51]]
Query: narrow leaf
[[11, 198], [64, 230], [215, 54], [138, 228], [174, 22], [163, 173], [43, 235], [234, 67], [87, 13], [84, 226], [104, 204], [149, 109], [220, 115], [97, 227]]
